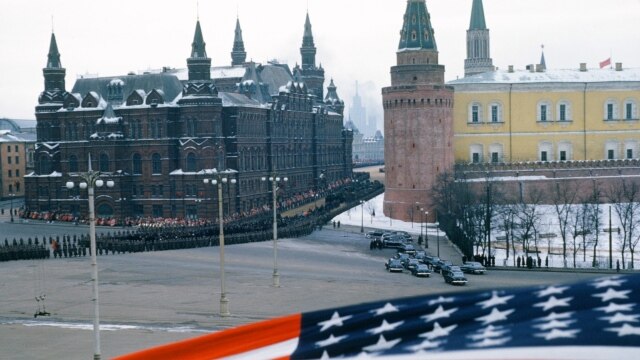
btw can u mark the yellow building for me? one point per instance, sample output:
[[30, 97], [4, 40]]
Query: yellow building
[[547, 115]]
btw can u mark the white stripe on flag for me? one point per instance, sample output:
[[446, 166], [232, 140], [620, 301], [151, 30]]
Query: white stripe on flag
[[274, 351]]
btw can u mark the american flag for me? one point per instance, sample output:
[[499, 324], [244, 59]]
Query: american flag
[[596, 319]]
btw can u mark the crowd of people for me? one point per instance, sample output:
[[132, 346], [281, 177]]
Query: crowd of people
[[158, 234]]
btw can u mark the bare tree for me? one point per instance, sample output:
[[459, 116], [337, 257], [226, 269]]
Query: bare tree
[[371, 209], [595, 212], [507, 223], [528, 217], [625, 202], [564, 196]]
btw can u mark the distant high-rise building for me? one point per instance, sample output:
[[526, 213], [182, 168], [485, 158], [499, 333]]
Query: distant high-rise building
[[358, 113], [418, 119], [478, 43]]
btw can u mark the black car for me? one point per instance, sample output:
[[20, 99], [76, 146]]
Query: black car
[[392, 241], [394, 265], [407, 249], [431, 261], [454, 277], [411, 263], [441, 264], [421, 271], [376, 234], [472, 267]]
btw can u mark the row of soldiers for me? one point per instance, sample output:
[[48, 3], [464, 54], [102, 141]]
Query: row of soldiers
[[157, 239], [254, 229]]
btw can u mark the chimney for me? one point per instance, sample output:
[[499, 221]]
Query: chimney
[[531, 68], [618, 66], [539, 68], [511, 68], [583, 67]]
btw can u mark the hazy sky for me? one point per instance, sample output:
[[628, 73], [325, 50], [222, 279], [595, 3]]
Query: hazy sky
[[356, 39]]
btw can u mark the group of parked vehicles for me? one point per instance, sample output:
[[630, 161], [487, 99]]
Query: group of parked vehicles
[[421, 264]]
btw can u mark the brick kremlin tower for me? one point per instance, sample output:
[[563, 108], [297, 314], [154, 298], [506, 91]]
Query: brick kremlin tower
[[418, 120]]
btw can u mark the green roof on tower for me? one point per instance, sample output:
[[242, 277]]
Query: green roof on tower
[[53, 58], [417, 33], [477, 16]]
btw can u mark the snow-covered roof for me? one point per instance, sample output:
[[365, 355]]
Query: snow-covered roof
[[551, 76]]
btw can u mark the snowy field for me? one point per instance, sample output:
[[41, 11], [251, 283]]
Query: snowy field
[[548, 247]]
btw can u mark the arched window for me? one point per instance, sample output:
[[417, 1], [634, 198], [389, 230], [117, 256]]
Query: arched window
[[630, 109], [630, 149], [611, 110], [564, 111], [611, 150], [495, 112], [73, 163], [137, 164], [476, 153], [475, 113], [565, 151], [544, 111], [104, 162], [156, 164], [497, 153], [192, 162], [545, 151]]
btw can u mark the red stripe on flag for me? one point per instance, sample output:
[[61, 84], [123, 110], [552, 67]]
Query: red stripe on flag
[[225, 343], [605, 63]]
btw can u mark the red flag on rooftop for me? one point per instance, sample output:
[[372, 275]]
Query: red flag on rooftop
[[605, 63], [595, 319]]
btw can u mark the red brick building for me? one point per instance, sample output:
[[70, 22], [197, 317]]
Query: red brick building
[[418, 120], [158, 134]]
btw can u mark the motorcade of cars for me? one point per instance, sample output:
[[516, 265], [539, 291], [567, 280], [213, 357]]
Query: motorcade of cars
[[392, 241], [407, 249], [441, 264], [454, 277], [431, 261], [411, 263], [394, 265], [472, 267], [421, 270]]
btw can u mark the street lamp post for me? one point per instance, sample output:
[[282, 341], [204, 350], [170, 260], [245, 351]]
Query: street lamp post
[[362, 216], [219, 179], [11, 210], [91, 180], [275, 180], [438, 234], [426, 236], [421, 222]]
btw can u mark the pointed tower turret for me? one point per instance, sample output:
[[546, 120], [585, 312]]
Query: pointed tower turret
[[54, 73], [308, 49], [312, 75], [199, 64], [333, 100], [54, 85], [543, 61], [478, 43], [418, 119], [238, 55]]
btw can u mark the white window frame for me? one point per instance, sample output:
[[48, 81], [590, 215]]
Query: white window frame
[[547, 117], [545, 146], [614, 110], [496, 149], [498, 115], [476, 149], [634, 109], [613, 145], [633, 146], [471, 113], [567, 112], [567, 147]]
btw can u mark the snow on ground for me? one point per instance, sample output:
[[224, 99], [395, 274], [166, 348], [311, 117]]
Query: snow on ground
[[550, 248]]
